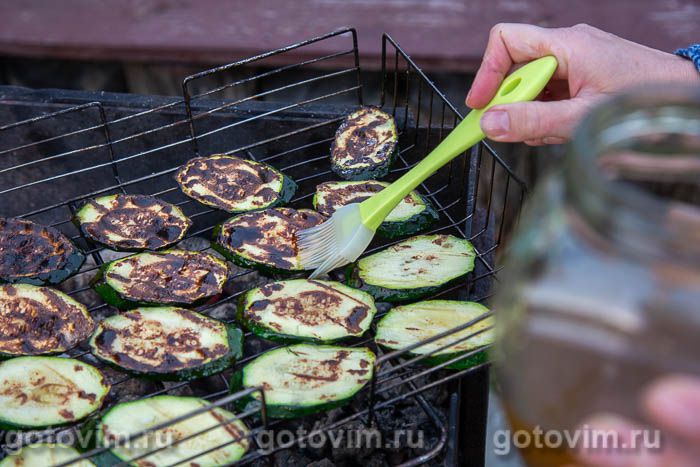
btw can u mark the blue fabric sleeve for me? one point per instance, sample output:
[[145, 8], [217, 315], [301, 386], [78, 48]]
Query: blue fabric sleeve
[[691, 52]]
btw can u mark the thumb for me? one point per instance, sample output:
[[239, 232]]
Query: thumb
[[527, 121]]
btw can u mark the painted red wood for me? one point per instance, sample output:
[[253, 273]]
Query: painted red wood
[[446, 34]]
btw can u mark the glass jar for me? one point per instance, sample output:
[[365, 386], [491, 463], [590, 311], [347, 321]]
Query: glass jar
[[602, 293]]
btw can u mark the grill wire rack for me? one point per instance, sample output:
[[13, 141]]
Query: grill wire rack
[[51, 163]]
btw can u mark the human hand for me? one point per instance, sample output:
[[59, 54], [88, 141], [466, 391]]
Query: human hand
[[592, 64], [673, 405]]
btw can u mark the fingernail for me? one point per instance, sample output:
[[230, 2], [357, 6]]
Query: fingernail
[[468, 95], [553, 140], [495, 123]]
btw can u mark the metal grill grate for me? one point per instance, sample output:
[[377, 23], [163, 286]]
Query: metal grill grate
[[50, 164]]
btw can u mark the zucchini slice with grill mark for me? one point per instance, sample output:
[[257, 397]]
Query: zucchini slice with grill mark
[[166, 343], [413, 214], [265, 240], [234, 184], [39, 320], [410, 324], [218, 428], [306, 310], [171, 277], [35, 254], [40, 392], [414, 268], [365, 145], [132, 222], [45, 454], [303, 379]]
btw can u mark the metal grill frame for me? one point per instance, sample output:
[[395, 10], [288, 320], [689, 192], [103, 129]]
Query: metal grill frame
[[406, 92]]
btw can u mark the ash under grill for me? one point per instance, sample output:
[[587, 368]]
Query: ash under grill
[[58, 148]]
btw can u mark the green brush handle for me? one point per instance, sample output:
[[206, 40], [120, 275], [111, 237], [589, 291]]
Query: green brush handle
[[524, 84]]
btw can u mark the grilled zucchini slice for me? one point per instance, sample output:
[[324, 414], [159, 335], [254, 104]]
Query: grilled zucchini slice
[[303, 379], [264, 240], [39, 392], [166, 343], [306, 310], [39, 320], [410, 324], [234, 184], [197, 437], [414, 268], [35, 254], [45, 454], [413, 214], [132, 222], [365, 145], [171, 277]]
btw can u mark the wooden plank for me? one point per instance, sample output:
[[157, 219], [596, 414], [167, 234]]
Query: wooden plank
[[439, 34]]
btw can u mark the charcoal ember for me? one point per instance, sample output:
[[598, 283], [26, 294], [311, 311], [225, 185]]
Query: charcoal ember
[[174, 388], [205, 387], [81, 350], [437, 395], [408, 432], [402, 417], [224, 311], [358, 403], [334, 415], [322, 463], [126, 388], [384, 392], [195, 244], [376, 459], [253, 345], [260, 462], [290, 458], [82, 279], [111, 255], [315, 443], [102, 311], [242, 280], [354, 441]]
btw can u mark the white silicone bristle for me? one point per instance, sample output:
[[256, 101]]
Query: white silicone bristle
[[338, 241]]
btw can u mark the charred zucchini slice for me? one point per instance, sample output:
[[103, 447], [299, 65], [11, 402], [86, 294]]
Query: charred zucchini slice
[[264, 240], [414, 268], [36, 254], [303, 379], [306, 310], [234, 184], [410, 324], [365, 145], [39, 320], [132, 222], [166, 343], [413, 214], [193, 441], [172, 277], [45, 454], [38, 392]]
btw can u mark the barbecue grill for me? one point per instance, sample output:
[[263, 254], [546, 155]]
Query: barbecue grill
[[59, 148]]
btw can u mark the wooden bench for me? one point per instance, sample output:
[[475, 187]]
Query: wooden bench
[[440, 34]]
